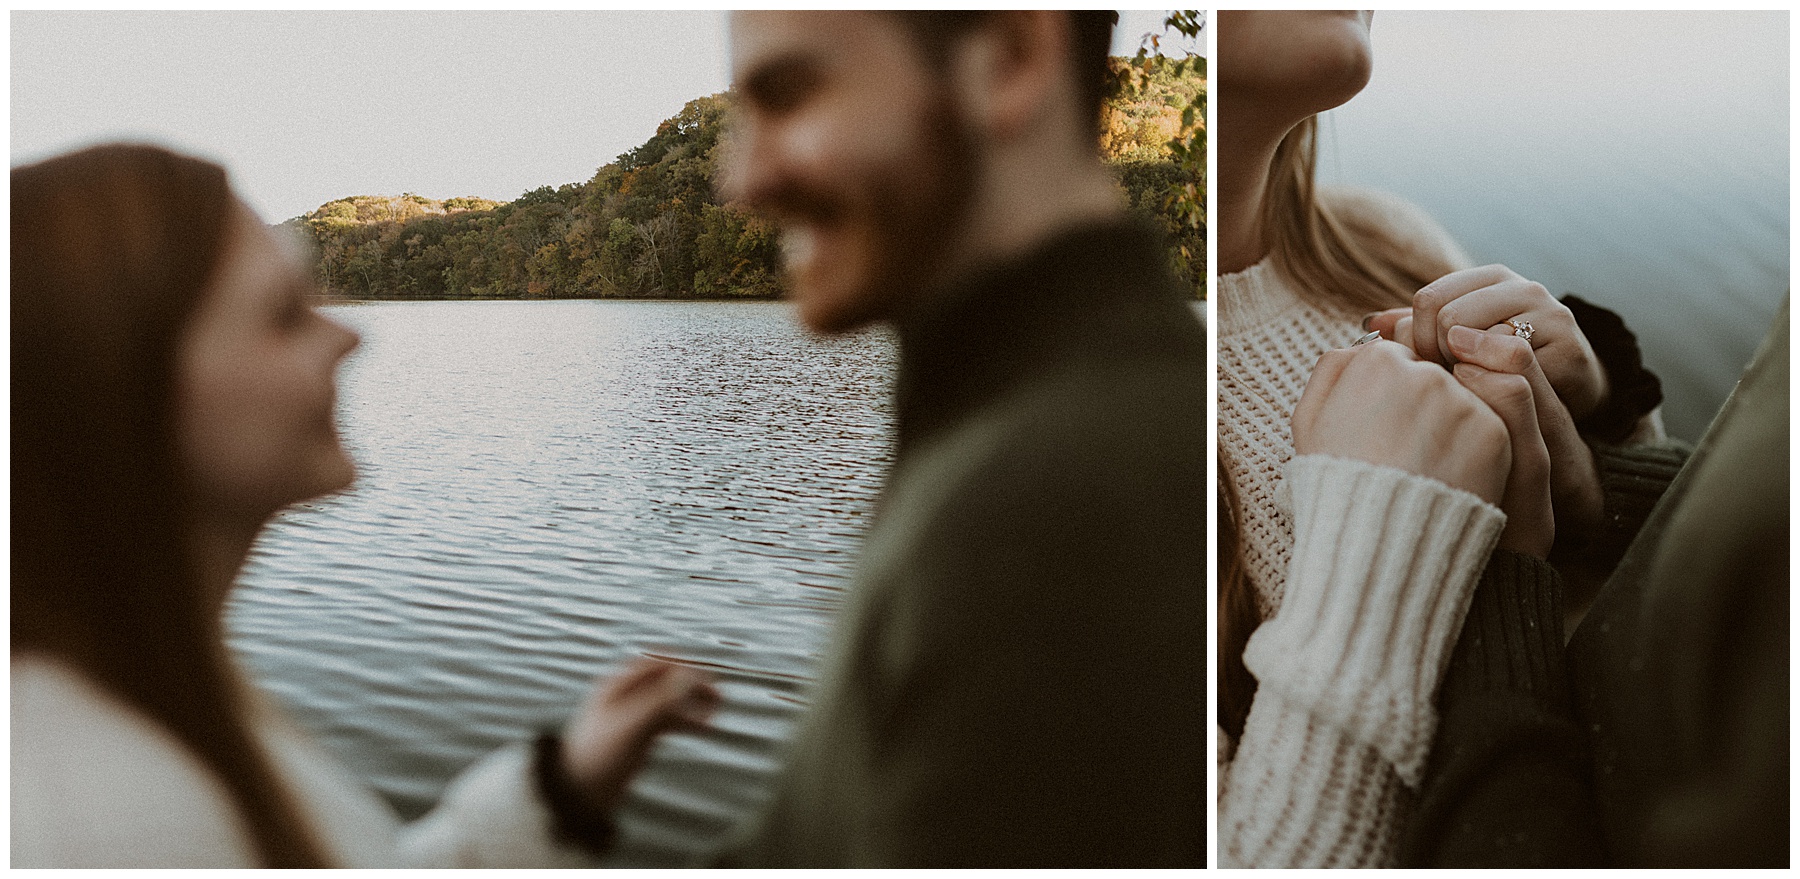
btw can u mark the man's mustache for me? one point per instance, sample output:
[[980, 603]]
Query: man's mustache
[[797, 202]]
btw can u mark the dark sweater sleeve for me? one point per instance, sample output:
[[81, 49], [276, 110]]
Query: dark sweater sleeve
[[1508, 782], [1632, 479]]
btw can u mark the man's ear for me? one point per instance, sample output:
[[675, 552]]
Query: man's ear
[[1012, 70]]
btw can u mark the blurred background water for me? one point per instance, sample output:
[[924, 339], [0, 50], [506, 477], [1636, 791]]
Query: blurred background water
[[548, 489], [1637, 159]]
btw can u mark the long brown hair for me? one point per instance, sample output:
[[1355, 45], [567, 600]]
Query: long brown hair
[[112, 250], [1336, 262]]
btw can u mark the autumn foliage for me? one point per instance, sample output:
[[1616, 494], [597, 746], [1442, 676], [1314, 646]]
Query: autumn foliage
[[648, 224]]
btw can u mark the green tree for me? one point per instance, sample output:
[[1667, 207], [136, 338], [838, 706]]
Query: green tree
[[1151, 76], [649, 223]]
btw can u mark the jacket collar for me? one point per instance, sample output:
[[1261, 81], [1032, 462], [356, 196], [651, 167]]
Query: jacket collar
[[1071, 296]]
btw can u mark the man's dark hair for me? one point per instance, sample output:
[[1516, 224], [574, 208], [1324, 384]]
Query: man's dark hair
[[1090, 41]]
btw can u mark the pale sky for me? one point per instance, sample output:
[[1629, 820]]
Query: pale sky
[[305, 107]]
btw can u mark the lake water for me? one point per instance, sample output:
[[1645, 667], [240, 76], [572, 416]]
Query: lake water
[[548, 489], [1638, 159]]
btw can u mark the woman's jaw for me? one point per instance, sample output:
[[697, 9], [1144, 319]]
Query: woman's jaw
[[1277, 69], [257, 389]]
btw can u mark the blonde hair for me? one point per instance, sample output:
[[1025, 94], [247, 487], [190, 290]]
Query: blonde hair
[[1335, 262]]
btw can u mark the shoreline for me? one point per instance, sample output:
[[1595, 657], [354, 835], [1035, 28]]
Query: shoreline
[[334, 300]]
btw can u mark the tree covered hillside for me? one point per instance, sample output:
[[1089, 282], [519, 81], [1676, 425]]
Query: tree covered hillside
[[648, 224]]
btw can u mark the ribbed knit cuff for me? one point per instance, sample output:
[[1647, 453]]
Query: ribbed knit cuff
[[1632, 479], [1512, 640], [1382, 570], [1301, 794]]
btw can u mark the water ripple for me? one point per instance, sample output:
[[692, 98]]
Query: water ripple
[[549, 489]]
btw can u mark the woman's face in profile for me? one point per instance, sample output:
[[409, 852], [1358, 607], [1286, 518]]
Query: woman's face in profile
[[257, 374], [1293, 62]]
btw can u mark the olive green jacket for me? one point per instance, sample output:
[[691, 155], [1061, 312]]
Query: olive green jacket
[[1659, 735], [1018, 676]]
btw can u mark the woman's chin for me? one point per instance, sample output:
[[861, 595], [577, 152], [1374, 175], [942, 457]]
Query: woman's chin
[[344, 475], [1299, 62], [1339, 71], [336, 472]]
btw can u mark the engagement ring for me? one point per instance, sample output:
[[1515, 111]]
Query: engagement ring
[[1521, 328]]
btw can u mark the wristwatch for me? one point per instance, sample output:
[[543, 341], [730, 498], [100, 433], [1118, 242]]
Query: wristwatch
[[574, 820]]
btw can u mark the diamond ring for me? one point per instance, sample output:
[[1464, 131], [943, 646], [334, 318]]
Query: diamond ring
[[1521, 328]]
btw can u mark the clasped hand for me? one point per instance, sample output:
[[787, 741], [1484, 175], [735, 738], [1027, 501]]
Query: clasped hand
[[1393, 403], [609, 737], [1473, 429]]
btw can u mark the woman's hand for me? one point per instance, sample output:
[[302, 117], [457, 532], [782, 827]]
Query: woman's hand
[[608, 739], [1566, 378], [1380, 403], [1487, 298]]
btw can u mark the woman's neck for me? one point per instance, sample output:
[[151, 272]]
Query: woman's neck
[[220, 547], [1244, 165]]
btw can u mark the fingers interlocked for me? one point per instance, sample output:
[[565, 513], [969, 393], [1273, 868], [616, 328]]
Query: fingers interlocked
[[1573, 481]]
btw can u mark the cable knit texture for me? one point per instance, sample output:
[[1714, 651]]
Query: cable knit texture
[[1363, 575]]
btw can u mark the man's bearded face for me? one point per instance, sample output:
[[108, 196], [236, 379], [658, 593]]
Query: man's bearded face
[[856, 150]]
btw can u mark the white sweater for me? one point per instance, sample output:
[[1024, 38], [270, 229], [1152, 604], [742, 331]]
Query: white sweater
[[97, 784], [1363, 575]]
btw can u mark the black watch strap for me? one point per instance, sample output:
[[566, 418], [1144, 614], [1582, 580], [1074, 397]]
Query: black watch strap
[[574, 820]]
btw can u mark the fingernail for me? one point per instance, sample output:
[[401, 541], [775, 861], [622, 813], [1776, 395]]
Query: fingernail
[[1367, 318], [1464, 340]]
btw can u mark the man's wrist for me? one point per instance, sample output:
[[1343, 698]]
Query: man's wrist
[[574, 818], [1632, 391]]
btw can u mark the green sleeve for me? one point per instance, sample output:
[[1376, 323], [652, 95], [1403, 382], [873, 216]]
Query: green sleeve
[[1508, 783], [1632, 479], [1018, 677]]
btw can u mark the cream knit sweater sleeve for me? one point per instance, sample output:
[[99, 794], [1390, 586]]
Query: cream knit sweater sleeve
[[1383, 567], [1361, 574]]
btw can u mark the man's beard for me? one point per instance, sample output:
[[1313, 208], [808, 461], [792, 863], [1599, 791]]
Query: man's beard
[[911, 211], [922, 210]]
